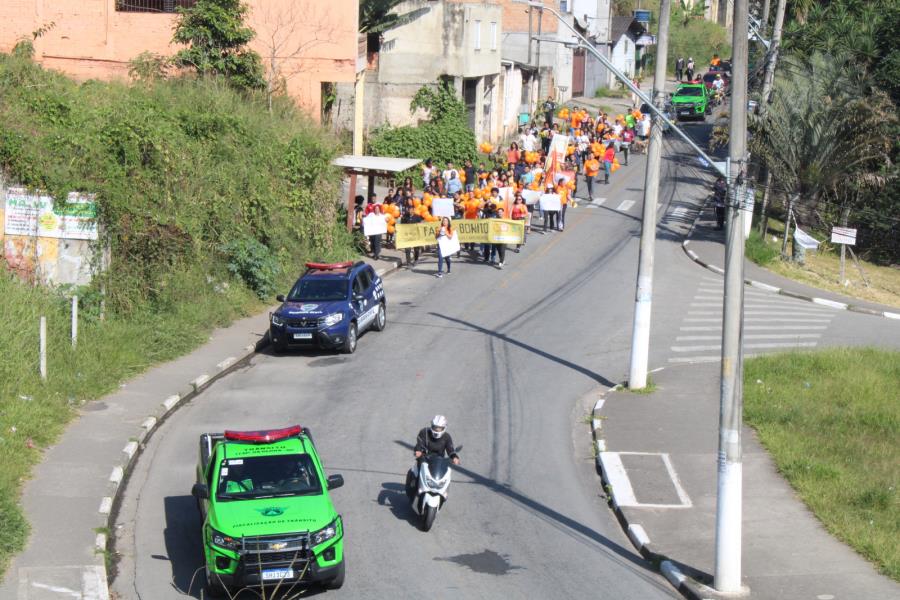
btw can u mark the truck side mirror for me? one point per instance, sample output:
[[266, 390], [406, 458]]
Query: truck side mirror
[[280, 297], [200, 491], [335, 481]]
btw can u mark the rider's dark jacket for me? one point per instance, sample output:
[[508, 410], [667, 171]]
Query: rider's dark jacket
[[427, 444]]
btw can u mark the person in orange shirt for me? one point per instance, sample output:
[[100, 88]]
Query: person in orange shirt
[[591, 170]]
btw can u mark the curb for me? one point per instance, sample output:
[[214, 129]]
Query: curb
[[687, 585], [109, 505], [771, 288]]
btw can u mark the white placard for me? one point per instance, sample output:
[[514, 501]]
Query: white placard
[[550, 202], [805, 240], [449, 246], [843, 235], [442, 207], [374, 224], [531, 196]]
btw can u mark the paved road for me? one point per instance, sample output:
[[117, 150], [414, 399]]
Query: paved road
[[506, 355], [514, 358]]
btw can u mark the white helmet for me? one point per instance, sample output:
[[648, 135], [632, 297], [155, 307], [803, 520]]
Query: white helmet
[[438, 426]]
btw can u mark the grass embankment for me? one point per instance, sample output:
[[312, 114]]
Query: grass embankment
[[822, 269], [207, 203], [831, 421]]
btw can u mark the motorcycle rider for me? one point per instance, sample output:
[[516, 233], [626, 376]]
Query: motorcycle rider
[[720, 188], [718, 86], [432, 440]]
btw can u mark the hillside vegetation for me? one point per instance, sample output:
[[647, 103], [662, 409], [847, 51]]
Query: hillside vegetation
[[207, 203]]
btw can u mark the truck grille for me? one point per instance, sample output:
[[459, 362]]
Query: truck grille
[[288, 550], [307, 322]]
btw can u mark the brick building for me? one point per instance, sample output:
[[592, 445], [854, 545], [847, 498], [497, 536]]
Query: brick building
[[312, 43]]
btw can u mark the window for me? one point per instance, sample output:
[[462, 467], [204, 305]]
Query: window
[[493, 36], [563, 5], [478, 35], [153, 6]]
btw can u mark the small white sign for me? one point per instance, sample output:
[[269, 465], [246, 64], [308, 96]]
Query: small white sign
[[374, 225], [449, 246], [531, 196], [805, 240], [442, 207], [551, 202], [843, 235]]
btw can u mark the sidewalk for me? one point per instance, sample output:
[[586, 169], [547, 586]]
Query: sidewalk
[[706, 246], [70, 500], [660, 463]]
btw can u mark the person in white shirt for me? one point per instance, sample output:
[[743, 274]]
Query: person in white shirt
[[530, 141]]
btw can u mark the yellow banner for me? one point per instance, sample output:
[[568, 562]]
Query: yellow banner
[[470, 231]]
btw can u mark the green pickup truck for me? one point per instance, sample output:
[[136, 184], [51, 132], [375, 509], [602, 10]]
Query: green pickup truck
[[267, 516], [690, 101]]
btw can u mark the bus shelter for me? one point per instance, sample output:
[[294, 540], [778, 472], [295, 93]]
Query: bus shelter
[[371, 167]]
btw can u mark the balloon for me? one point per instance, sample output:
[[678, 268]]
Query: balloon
[[391, 228], [417, 203]]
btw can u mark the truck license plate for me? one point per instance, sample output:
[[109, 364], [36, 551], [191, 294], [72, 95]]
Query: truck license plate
[[302, 336], [277, 574]]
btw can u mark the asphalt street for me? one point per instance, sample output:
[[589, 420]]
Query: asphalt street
[[514, 358]]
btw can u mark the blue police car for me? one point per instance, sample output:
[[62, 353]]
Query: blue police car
[[329, 307]]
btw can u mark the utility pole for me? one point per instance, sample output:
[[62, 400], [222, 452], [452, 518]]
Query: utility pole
[[768, 84], [730, 478], [640, 336]]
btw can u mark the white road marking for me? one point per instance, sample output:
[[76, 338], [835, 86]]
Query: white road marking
[[57, 589], [626, 204], [623, 493], [598, 201], [757, 336], [768, 311], [702, 359], [756, 328], [706, 348], [759, 320]]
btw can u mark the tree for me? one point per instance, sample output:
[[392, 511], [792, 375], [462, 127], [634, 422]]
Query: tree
[[378, 16], [827, 136], [217, 39], [288, 34]]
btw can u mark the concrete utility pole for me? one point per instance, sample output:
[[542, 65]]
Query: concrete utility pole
[[730, 478], [640, 336]]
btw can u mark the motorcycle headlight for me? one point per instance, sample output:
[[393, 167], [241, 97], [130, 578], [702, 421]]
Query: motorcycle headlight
[[333, 319], [324, 534], [276, 320], [224, 541]]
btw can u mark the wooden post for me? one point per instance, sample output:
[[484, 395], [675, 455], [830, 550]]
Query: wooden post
[[43, 348], [74, 321], [351, 200]]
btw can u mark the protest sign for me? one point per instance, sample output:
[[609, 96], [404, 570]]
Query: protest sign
[[442, 207], [449, 246], [550, 202], [531, 196], [374, 225], [469, 231]]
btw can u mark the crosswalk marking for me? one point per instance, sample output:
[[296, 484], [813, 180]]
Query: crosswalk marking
[[755, 328], [767, 311], [752, 336], [700, 348], [757, 319], [626, 204], [598, 201]]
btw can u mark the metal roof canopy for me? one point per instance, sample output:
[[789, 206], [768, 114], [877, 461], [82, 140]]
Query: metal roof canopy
[[374, 165]]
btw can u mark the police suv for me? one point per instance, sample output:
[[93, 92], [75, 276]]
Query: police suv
[[329, 307]]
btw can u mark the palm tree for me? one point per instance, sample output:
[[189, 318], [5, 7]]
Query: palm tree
[[826, 134]]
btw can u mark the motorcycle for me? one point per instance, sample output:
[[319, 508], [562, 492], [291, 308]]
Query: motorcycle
[[427, 493]]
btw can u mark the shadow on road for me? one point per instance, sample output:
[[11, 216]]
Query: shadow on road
[[394, 497], [623, 556], [505, 338], [182, 538]]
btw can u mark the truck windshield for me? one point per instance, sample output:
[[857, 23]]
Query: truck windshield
[[689, 91], [327, 290], [267, 476]]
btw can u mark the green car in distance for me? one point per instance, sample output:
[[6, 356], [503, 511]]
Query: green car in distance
[[267, 516], [690, 101]]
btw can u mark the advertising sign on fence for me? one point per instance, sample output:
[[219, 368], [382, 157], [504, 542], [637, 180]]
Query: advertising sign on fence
[[39, 215]]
